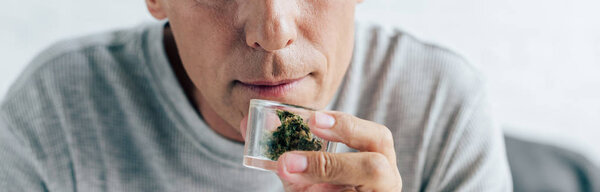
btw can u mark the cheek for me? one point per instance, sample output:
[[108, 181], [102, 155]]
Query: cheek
[[331, 30], [205, 41]]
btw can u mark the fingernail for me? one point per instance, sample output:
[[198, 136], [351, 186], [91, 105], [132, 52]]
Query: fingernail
[[295, 163], [323, 120]]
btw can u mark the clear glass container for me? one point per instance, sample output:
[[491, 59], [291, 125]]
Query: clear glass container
[[274, 128]]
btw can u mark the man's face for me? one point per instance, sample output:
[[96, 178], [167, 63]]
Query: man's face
[[292, 51]]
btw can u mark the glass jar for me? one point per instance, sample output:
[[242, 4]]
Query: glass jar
[[274, 128]]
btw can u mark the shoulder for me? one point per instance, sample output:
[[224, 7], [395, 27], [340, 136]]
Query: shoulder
[[75, 50], [69, 61], [68, 73], [434, 102], [413, 68]]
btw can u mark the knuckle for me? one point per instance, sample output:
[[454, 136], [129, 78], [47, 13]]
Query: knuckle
[[344, 118], [376, 165], [387, 137], [350, 127], [326, 166]]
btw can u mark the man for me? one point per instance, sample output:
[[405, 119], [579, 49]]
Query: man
[[161, 107]]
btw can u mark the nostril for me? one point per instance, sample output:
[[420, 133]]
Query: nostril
[[288, 43], [256, 45]]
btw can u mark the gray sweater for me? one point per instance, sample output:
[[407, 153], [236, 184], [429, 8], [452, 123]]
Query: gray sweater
[[106, 113]]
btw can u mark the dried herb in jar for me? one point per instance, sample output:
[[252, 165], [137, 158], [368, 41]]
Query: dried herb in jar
[[292, 135]]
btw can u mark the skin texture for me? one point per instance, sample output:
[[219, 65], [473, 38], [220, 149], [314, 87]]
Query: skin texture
[[221, 50], [224, 42]]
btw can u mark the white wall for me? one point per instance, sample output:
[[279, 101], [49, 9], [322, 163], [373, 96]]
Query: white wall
[[31, 25], [542, 57]]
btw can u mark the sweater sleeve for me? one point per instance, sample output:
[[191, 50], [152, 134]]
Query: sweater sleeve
[[17, 164]]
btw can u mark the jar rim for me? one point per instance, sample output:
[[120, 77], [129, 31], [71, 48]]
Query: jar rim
[[266, 103]]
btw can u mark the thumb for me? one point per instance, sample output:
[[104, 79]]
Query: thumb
[[311, 167]]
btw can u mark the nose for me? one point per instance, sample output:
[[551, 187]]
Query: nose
[[271, 26]]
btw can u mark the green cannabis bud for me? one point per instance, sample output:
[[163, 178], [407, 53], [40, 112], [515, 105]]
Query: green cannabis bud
[[292, 134]]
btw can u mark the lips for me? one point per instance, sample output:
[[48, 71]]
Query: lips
[[271, 89]]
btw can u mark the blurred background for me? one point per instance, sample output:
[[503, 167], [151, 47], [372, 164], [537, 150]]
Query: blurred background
[[541, 57]]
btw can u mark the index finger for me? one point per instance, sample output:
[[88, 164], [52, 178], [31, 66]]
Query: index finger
[[360, 134]]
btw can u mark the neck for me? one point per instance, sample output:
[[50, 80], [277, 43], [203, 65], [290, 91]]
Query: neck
[[193, 94]]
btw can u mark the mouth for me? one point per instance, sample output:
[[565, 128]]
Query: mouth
[[271, 89]]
